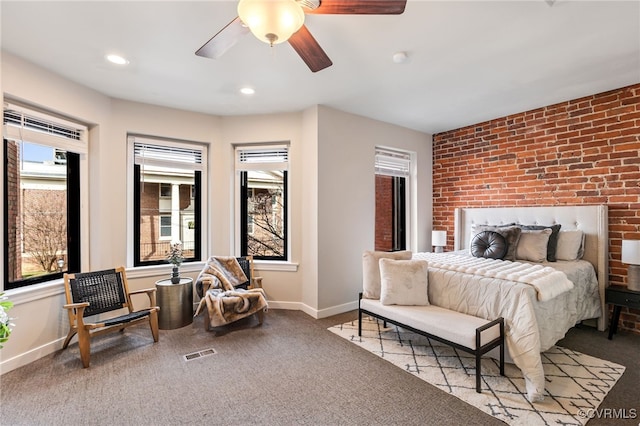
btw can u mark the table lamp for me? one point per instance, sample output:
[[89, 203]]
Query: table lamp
[[631, 256], [439, 240]]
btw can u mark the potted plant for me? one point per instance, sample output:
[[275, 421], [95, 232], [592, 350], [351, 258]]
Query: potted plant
[[175, 257], [5, 324]]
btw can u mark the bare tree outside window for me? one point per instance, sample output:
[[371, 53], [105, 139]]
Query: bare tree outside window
[[263, 201], [266, 209], [44, 228], [37, 187]]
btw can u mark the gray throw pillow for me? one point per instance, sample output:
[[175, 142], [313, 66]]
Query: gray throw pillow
[[552, 245], [532, 245], [489, 244], [511, 236]]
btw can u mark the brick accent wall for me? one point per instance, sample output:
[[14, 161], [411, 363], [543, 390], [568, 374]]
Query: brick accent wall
[[13, 210], [384, 213], [584, 151]]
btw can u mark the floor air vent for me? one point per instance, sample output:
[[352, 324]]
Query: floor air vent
[[199, 354]]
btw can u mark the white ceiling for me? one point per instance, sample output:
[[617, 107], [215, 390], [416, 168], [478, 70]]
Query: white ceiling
[[468, 61]]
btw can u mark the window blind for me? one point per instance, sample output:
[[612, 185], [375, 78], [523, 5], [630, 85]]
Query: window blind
[[23, 124], [151, 152], [391, 162], [264, 157]]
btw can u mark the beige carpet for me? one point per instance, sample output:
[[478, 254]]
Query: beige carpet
[[576, 383]]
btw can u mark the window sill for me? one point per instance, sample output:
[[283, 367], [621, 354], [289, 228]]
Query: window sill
[[55, 287], [275, 265], [165, 269], [34, 292]]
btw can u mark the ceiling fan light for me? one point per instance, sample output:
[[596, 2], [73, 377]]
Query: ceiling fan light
[[272, 21]]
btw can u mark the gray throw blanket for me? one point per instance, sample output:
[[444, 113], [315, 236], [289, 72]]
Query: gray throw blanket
[[220, 272], [225, 303]]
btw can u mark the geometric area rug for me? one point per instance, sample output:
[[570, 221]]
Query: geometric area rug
[[576, 383]]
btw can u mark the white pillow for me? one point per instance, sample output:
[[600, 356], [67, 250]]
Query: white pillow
[[371, 270], [570, 245], [404, 282], [532, 245]]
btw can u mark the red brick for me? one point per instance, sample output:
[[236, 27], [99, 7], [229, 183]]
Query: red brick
[[584, 151]]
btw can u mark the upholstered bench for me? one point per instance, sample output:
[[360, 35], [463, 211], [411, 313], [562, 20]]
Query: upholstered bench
[[465, 332]]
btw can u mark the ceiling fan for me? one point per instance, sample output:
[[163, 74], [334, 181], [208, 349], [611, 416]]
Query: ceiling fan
[[277, 21]]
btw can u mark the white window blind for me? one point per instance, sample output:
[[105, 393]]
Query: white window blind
[[390, 162], [159, 153], [263, 157], [27, 125]]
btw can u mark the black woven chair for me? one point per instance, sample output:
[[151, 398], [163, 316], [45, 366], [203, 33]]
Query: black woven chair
[[101, 292], [246, 263]]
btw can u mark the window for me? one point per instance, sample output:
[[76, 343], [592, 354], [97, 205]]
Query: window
[[167, 198], [263, 201], [393, 170], [165, 227], [165, 190], [43, 155]]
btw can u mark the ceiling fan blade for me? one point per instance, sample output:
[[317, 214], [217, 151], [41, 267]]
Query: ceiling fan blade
[[223, 40], [309, 50], [359, 7]]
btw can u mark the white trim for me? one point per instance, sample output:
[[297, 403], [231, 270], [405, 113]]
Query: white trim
[[19, 132], [30, 356], [31, 293], [132, 139], [27, 135], [161, 270], [46, 116], [239, 167], [402, 163], [393, 162], [247, 157], [80, 147], [168, 153], [274, 265], [322, 313]]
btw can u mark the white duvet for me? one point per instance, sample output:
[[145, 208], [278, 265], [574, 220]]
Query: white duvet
[[537, 313]]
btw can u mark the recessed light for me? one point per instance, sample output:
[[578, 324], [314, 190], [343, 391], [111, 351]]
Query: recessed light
[[247, 90], [400, 57], [117, 59]]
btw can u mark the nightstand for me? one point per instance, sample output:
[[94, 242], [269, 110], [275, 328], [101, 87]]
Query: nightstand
[[619, 297]]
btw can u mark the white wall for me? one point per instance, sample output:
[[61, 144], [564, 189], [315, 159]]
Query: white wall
[[37, 312], [331, 198], [346, 199], [281, 286]]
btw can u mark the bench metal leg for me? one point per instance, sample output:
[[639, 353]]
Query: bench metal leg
[[359, 323], [478, 366], [502, 348]]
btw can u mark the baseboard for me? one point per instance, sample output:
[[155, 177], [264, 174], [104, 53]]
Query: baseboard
[[289, 306], [327, 312], [30, 356]]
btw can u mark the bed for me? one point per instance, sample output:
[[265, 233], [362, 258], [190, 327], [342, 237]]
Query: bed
[[533, 324]]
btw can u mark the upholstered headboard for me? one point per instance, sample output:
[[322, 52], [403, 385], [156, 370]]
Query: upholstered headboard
[[592, 220]]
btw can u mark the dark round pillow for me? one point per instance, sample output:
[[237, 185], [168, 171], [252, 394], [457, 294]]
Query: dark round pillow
[[489, 244]]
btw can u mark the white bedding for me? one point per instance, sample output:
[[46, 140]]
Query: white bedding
[[547, 281], [531, 325]]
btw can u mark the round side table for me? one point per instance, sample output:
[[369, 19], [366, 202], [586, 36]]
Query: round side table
[[176, 303]]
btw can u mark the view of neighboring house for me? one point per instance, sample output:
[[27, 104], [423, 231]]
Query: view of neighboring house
[[38, 184]]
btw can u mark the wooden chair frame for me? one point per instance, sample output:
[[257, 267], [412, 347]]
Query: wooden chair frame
[[254, 282], [79, 308]]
